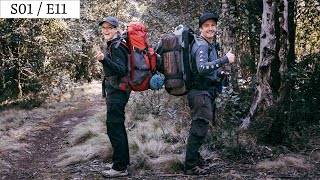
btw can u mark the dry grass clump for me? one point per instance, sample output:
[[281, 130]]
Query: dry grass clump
[[233, 174], [144, 139], [7, 144], [147, 142], [139, 160], [284, 162], [15, 119], [97, 147], [89, 129], [86, 91], [88, 140], [169, 163], [4, 166]]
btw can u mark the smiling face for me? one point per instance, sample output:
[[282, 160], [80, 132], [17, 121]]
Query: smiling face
[[109, 31], [208, 29]]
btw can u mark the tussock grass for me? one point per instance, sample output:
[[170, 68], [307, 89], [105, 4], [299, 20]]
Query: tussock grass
[[207, 154], [284, 162], [174, 165], [82, 91], [158, 131], [4, 166], [87, 130], [97, 147], [139, 160], [144, 143], [88, 140], [233, 174], [148, 145], [145, 132], [169, 163], [7, 144]]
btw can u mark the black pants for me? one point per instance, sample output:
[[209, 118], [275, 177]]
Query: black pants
[[116, 102], [202, 109]]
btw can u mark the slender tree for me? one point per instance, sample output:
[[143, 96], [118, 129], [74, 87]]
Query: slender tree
[[263, 96], [284, 46], [228, 25]]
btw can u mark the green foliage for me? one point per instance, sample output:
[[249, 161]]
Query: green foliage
[[307, 30], [231, 107], [296, 116], [243, 19], [21, 58], [302, 109]]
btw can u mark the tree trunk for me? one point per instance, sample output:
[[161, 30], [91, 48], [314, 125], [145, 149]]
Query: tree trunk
[[263, 96], [284, 47], [228, 19], [252, 66], [292, 8], [2, 68], [19, 78], [229, 23], [19, 82]]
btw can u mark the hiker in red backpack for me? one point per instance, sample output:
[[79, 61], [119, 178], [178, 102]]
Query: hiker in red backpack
[[204, 65], [115, 68]]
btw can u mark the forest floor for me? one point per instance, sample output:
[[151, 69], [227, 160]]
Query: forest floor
[[32, 150]]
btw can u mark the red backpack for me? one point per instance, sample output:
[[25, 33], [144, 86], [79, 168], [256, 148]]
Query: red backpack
[[142, 61]]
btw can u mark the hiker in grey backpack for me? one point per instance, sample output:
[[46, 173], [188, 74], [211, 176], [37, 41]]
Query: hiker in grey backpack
[[115, 67], [204, 64]]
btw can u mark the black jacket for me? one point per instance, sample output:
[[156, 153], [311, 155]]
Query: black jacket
[[115, 64]]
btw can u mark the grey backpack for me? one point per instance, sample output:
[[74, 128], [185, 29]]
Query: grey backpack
[[176, 60]]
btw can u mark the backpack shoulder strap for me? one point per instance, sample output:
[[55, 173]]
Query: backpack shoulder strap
[[122, 41], [201, 42], [117, 43]]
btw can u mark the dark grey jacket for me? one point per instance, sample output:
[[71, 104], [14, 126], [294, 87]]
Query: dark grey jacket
[[205, 66]]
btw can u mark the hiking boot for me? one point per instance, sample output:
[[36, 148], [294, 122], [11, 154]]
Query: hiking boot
[[197, 171], [114, 173]]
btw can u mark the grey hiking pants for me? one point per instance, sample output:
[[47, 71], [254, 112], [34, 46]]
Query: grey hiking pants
[[202, 109]]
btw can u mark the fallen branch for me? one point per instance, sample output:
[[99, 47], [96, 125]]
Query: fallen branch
[[312, 152]]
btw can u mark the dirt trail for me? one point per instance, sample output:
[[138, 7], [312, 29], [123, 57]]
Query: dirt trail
[[45, 144]]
